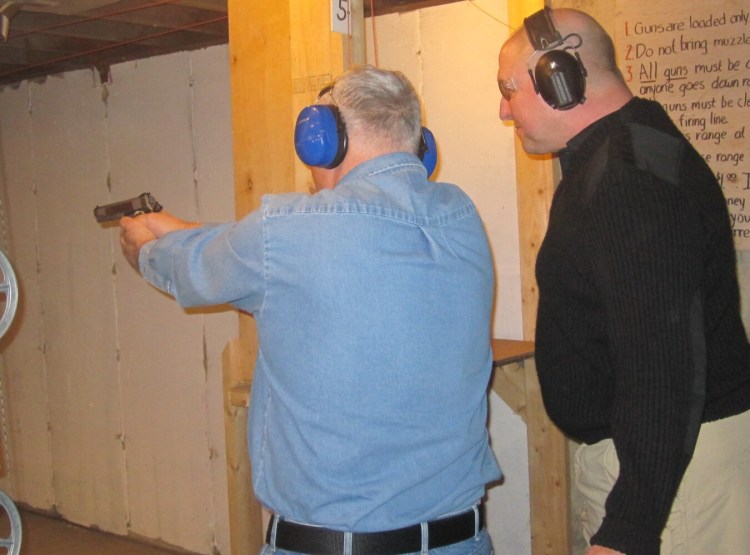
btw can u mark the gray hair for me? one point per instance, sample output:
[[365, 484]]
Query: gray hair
[[380, 104]]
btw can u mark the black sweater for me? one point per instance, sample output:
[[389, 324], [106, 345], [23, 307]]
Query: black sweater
[[639, 335]]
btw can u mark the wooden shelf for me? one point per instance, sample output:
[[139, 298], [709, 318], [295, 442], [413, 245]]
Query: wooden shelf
[[506, 351]]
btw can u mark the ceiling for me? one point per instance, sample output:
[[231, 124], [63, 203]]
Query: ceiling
[[45, 37], [51, 36]]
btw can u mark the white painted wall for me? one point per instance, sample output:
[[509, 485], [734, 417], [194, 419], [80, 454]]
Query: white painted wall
[[113, 392]]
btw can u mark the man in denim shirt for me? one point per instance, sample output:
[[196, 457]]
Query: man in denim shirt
[[372, 299]]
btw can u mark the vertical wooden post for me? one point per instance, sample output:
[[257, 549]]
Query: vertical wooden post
[[281, 54], [549, 489], [245, 531], [534, 176]]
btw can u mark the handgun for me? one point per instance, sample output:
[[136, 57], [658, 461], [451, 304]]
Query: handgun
[[142, 204]]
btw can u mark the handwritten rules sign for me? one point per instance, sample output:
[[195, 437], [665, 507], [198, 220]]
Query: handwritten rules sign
[[694, 58]]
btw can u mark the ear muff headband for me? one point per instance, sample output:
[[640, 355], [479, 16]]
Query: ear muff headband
[[320, 136], [559, 77], [541, 31]]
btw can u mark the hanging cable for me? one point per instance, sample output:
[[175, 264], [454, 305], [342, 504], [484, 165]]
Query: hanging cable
[[349, 40], [374, 32], [488, 14]]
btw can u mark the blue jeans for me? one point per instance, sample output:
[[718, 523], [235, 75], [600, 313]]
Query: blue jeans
[[478, 545]]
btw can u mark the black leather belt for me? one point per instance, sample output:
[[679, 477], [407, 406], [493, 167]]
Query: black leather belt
[[314, 540]]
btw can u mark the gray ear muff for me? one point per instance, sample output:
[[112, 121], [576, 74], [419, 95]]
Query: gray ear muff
[[560, 79]]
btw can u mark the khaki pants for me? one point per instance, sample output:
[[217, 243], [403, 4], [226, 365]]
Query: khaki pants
[[711, 512]]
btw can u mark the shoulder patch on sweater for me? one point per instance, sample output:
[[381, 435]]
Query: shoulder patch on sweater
[[657, 152]]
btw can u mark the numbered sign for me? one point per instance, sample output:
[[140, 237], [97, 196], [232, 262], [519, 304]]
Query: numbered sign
[[341, 17], [693, 57]]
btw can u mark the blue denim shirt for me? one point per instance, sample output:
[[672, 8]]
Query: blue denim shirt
[[372, 302]]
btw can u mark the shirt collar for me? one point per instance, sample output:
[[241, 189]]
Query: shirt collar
[[588, 140], [386, 163]]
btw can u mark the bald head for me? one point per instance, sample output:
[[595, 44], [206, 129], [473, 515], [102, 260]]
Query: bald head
[[582, 34], [596, 45], [605, 89]]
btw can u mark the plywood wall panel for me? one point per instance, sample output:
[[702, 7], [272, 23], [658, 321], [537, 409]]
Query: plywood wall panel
[[25, 385], [212, 125], [70, 162], [163, 361]]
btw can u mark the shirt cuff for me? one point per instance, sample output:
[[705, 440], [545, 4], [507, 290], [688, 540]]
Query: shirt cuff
[[143, 255], [627, 538], [147, 270]]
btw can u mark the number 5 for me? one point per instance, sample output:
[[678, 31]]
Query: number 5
[[343, 10]]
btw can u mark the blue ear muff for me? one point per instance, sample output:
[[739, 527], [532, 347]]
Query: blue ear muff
[[320, 136], [320, 139], [428, 151]]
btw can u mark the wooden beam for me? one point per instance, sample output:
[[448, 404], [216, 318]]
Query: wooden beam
[[509, 374], [261, 85], [549, 489], [535, 183], [245, 531], [281, 54], [261, 88], [382, 7], [509, 382], [515, 380], [534, 178]]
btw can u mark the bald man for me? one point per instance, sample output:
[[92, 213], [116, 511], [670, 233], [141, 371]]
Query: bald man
[[641, 350]]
